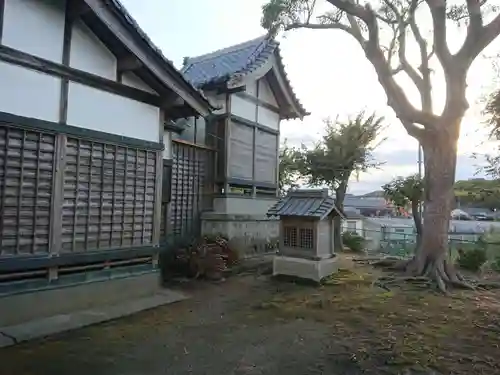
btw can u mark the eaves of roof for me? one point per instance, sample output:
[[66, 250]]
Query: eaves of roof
[[236, 62], [178, 77]]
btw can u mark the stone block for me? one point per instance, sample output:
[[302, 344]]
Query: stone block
[[314, 270]]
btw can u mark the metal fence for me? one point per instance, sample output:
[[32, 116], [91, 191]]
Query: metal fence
[[403, 244]]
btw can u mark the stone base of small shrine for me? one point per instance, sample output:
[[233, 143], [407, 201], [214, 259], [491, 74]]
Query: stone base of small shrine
[[308, 269]]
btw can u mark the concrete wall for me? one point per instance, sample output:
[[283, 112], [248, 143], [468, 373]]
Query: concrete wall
[[243, 205], [19, 308], [250, 234]]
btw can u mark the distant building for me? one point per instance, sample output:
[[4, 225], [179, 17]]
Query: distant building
[[369, 206]]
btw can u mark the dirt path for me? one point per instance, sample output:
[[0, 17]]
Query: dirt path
[[255, 326], [217, 332]]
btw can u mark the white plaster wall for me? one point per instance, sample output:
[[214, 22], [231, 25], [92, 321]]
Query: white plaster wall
[[265, 92], [357, 223], [28, 93], [132, 80], [218, 100], [189, 129], [99, 110], [201, 131], [242, 107], [89, 54], [251, 89], [35, 27], [324, 235], [167, 143], [268, 118]]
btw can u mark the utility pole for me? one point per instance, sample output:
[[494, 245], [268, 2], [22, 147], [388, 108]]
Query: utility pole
[[420, 176]]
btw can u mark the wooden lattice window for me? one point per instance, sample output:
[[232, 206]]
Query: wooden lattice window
[[109, 194], [189, 174], [290, 236], [306, 238], [26, 177]]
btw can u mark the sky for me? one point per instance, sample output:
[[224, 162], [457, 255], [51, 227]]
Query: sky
[[328, 72]]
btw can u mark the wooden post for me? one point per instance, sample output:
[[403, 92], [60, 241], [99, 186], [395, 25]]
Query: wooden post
[[57, 195], [227, 142], [158, 198]]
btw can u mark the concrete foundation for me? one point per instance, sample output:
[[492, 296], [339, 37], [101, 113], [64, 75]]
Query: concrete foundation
[[314, 270], [251, 234], [22, 307], [12, 335]]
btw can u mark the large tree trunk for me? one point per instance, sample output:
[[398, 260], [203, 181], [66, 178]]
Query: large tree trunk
[[432, 260], [340, 192]]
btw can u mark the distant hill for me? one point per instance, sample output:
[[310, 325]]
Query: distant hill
[[373, 194], [474, 192], [478, 192]]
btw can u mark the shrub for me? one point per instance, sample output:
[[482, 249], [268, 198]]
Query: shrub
[[353, 241], [473, 259], [207, 257], [495, 264]]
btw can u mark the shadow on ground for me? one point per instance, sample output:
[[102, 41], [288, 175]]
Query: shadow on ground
[[252, 325]]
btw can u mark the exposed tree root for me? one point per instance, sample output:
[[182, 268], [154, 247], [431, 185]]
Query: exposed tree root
[[488, 285], [427, 271]]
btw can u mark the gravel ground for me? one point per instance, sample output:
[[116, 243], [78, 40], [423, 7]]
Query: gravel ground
[[219, 331]]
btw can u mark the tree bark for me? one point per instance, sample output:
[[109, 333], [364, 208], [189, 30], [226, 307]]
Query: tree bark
[[340, 192], [432, 260]]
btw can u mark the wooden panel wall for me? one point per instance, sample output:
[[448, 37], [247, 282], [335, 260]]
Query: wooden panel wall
[[26, 178], [192, 187], [109, 194], [61, 194], [265, 156], [241, 156]]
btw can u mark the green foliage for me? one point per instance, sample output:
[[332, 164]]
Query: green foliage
[[288, 168], [479, 192], [345, 148], [402, 191], [495, 264], [353, 241], [473, 259]]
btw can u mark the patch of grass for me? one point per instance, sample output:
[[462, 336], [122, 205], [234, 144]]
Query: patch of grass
[[400, 329]]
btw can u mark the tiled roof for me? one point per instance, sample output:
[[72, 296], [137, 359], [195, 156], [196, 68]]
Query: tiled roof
[[132, 23], [306, 203], [353, 215], [236, 62], [375, 203]]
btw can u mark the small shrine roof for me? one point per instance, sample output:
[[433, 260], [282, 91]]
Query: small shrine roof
[[312, 203]]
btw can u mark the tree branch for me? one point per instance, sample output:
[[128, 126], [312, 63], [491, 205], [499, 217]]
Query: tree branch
[[413, 130], [475, 16], [477, 39], [318, 26], [438, 12], [408, 69], [396, 96], [401, 37], [327, 26], [426, 86]]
